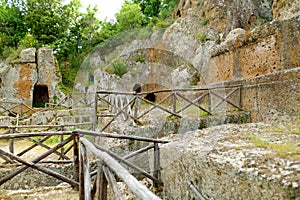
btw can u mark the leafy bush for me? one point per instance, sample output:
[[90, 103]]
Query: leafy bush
[[117, 67], [29, 41]]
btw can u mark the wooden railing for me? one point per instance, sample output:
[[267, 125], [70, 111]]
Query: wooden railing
[[109, 162], [173, 102], [75, 99], [15, 109]]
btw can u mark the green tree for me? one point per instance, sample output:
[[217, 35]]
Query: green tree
[[46, 20], [150, 8], [130, 17], [12, 25]]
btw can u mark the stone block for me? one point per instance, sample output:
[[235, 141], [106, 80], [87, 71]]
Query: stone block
[[28, 55]]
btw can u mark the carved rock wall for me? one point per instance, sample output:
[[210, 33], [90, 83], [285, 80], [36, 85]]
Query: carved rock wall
[[33, 68]]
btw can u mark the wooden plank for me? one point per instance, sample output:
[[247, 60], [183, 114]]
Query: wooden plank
[[6, 159], [174, 102], [144, 149], [47, 126], [129, 164], [85, 180], [102, 184], [95, 116], [36, 160], [113, 183], [167, 90], [76, 157], [11, 141], [32, 134], [119, 136], [39, 168], [156, 172], [140, 190]]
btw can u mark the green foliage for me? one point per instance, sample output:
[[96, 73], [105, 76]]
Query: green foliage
[[118, 67], [29, 41], [130, 17], [201, 37], [195, 79], [164, 23], [204, 21], [281, 149], [73, 33], [12, 26], [150, 8], [39, 104], [139, 58], [12, 54], [201, 2]]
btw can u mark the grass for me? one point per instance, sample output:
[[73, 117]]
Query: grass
[[283, 150], [201, 37], [286, 128]]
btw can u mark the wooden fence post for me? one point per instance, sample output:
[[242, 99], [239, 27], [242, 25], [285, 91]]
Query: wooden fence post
[[95, 118], [135, 107], [101, 189], [85, 179], [239, 96], [62, 150], [21, 110], [156, 172], [174, 102], [11, 141], [76, 158], [209, 101]]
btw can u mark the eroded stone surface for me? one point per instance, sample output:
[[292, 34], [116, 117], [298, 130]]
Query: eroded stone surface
[[222, 162]]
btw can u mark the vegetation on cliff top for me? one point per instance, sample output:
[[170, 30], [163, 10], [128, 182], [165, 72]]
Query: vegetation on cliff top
[[71, 33]]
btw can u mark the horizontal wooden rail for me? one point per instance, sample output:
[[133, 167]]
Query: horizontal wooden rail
[[32, 134], [168, 90], [118, 136], [46, 126]]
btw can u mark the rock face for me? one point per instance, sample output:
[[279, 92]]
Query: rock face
[[225, 162], [30, 80]]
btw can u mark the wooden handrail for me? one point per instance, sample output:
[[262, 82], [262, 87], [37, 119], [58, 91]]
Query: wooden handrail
[[118, 136], [140, 190]]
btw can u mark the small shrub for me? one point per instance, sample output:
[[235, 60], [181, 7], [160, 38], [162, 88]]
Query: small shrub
[[28, 41], [201, 37], [139, 58], [204, 21], [117, 67]]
